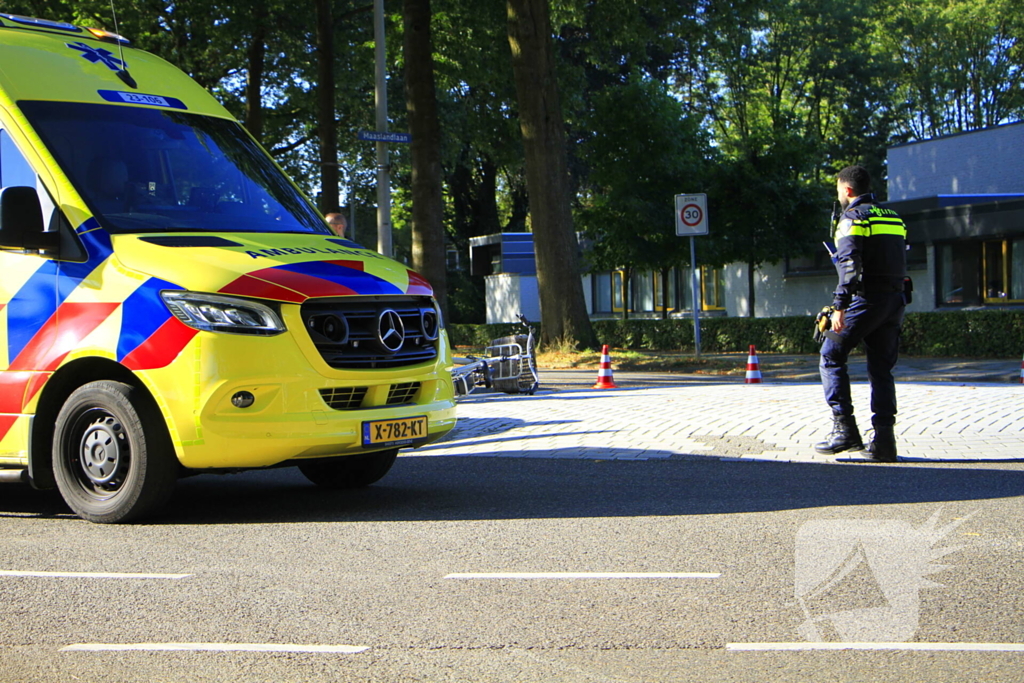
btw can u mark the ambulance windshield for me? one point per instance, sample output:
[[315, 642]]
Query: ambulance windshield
[[151, 170]]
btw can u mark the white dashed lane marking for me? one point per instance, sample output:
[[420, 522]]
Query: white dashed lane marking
[[215, 647], [583, 575], [924, 647], [90, 575]]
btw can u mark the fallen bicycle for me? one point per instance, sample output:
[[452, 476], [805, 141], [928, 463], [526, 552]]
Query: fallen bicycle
[[509, 366]]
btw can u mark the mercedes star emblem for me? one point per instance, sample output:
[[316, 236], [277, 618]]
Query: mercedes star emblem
[[390, 330]]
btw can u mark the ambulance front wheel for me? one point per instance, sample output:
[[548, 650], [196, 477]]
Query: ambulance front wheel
[[112, 456], [352, 472]]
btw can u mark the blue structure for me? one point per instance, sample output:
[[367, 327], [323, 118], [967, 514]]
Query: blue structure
[[504, 252]]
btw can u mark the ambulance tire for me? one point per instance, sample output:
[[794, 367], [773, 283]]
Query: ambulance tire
[[352, 472], [112, 455]]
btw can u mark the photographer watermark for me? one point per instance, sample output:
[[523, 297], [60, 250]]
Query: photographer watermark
[[860, 580], [858, 583]]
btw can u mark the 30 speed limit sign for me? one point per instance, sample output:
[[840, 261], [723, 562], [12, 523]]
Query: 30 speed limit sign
[[691, 214]]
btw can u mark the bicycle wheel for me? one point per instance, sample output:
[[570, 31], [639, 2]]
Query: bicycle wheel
[[528, 379]]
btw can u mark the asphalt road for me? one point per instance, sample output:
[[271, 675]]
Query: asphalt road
[[753, 548]]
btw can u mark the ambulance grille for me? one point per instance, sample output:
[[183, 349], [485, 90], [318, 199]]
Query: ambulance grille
[[344, 398], [402, 393], [364, 333]]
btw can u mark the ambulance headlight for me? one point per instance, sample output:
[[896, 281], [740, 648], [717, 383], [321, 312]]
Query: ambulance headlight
[[215, 313]]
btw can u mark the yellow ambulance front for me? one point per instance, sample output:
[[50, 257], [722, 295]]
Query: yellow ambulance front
[[170, 302]]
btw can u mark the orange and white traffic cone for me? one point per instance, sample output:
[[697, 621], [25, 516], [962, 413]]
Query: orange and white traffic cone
[[604, 374], [753, 369]]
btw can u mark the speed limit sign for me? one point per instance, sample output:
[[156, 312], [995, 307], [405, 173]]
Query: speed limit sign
[[691, 214]]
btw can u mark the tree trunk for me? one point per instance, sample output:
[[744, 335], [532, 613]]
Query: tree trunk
[[664, 293], [751, 268], [563, 309], [325, 107], [255, 57], [428, 250], [627, 275], [488, 218]]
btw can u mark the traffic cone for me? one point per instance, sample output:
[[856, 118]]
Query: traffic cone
[[604, 374], [753, 370]]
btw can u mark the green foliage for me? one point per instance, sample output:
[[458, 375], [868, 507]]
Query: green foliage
[[965, 334], [479, 336], [957, 64], [778, 81], [466, 301], [777, 335], [644, 149], [960, 334]]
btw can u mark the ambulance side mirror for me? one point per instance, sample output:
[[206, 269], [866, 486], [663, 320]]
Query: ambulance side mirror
[[21, 221]]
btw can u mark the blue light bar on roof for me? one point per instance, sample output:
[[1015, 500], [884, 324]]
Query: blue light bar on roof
[[40, 23]]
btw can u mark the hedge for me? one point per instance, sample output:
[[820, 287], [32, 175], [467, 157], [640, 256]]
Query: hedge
[[963, 334]]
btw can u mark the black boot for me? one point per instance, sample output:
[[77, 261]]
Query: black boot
[[844, 437], [883, 444]]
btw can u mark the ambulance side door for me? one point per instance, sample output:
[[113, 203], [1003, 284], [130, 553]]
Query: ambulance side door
[[27, 298]]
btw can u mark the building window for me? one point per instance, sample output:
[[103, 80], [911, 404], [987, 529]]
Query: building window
[[951, 276], [712, 289], [647, 292], [602, 284], [682, 285], [1017, 269], [665, 299], [650, 291], [617, 305], [1003, 271], [959, 269]]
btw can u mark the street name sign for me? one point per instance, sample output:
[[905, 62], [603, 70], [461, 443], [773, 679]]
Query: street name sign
[[374, 136]]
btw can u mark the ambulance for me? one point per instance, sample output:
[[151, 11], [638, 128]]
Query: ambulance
[[170, 302]]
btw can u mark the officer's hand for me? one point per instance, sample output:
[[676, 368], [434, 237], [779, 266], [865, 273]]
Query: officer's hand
[[838, 321]]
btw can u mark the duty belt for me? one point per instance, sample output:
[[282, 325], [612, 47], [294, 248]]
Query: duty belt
[[881, 289]]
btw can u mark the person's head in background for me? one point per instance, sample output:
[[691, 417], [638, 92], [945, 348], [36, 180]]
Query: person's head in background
[[337, 223]]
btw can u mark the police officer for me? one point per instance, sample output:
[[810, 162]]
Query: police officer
[[869, 302]]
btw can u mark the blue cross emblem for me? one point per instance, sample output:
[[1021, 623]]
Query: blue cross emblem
[[98, 54]]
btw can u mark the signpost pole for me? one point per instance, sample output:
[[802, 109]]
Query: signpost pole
[[692, 219], [383, 166], [694, 285]]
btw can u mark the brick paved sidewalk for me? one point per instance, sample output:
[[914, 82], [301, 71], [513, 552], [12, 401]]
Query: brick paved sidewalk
[[776, 421]]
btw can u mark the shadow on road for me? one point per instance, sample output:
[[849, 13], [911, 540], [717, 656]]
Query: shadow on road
[[424, 488]]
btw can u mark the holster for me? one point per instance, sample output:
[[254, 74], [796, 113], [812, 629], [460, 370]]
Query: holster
[[823, 326]]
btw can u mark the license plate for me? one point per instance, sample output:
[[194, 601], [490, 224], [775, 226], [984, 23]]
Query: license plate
[[394, 432]]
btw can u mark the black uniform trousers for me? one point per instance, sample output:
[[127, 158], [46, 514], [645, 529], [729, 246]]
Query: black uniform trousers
[[876, 320]]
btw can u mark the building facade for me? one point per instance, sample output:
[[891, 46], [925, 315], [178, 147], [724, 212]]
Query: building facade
[[962, 197]]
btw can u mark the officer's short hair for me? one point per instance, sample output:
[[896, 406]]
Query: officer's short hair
[[857, 177]]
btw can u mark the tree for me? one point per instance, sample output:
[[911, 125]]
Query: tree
[[958, 64], [781, 82], [564, 315], [644, 150], [325, 106], [428, 248]]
